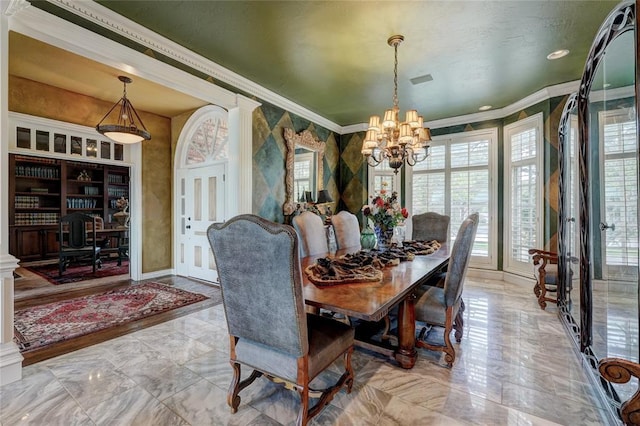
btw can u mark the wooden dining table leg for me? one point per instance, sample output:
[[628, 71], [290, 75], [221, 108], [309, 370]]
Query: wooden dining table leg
[[406, 354]]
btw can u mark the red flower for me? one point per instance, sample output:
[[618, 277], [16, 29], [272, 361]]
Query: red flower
[[405, 212], [379, 202]]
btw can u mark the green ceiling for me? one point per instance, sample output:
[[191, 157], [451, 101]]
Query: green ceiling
[[332, 57]]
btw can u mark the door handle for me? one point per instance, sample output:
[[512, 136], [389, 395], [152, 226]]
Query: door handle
[[604, 225], [571, 219], [188, 226]]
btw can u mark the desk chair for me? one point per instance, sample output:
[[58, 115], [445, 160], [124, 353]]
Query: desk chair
[[347, 229], [269, 331], [74, 244], [442, 306]]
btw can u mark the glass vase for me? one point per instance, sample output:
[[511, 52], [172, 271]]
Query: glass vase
[[368, 239]]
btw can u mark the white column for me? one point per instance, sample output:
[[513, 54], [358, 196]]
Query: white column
[[10, 357], [241, 155]]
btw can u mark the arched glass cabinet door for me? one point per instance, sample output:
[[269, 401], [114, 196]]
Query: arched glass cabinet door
[[608, 200], [569, 225]]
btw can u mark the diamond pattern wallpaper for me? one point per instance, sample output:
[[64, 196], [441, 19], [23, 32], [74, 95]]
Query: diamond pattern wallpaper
[[270, 153]]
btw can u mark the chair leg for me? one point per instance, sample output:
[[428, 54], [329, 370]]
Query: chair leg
[[458, 325], [448, 349], [542, 297], [348, 370], [303, 414], [233, 399]]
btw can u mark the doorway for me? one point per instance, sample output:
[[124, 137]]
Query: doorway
[[201, 195]]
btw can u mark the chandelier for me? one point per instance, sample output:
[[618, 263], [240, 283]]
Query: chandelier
[[398, 142], [125, 129]]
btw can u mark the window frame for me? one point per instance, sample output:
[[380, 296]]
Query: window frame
[[533, 122], [489, 262]]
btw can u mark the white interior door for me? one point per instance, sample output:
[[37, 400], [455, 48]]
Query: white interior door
[[204, 202]]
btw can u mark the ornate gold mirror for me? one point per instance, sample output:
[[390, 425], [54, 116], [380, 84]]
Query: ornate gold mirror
[[305, 155]]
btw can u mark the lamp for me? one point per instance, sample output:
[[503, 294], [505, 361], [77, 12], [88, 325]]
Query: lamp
[[324, 197], [390, 139], [125, 130]]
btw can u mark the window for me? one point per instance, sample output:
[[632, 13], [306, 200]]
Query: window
[[619, 176], [303, 174], [523, 192], [457, 179], [383, 173]]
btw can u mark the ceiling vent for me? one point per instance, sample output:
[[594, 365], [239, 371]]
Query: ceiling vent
[[421, 79]]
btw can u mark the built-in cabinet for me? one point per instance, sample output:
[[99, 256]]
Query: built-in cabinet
[[44, 189], [599, 239]]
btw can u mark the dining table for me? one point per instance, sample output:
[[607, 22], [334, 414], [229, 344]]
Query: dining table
[[370, 302]]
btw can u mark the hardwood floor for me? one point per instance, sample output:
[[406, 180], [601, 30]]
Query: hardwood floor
[[32, 290]]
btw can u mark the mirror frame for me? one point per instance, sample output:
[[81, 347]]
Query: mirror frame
[[306, 140], [620, 20]]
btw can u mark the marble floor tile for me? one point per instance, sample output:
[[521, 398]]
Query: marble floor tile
[[134, 407], [515, 365]]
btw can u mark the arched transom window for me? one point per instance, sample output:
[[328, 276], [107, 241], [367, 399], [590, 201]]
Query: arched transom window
[[209, 142]]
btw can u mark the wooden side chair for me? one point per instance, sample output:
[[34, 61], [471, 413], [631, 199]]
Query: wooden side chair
[[73, 234], [442, 307], [545, 270], [269, 331], [312, 234], [347, 229]]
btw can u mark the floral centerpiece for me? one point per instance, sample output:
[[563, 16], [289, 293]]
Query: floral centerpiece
[[385, 212]]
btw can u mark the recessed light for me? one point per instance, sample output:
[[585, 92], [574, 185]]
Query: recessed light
[[558, 54], [485, 107]]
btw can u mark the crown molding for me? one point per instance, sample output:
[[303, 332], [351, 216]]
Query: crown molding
[[535, 98], [122, 26], [11, 7], [354, 128], [50, 29], [496, 114]]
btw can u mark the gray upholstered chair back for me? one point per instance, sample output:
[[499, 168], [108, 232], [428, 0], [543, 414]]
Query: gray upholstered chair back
[[459, 260], [313, 237], [430, 226], [347, 229], [259, 271]]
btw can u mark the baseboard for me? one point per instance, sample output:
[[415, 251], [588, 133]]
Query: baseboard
[[484, 274], [157, 274]]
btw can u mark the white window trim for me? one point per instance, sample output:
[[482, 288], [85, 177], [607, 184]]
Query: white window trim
[[491, 261], [536, 121]]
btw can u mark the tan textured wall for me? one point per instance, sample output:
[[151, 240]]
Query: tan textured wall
[[30, 97]]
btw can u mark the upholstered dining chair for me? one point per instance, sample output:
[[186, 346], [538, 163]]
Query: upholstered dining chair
[[545, 270], [74, 242], [442, 307], [261, 282], [430, 226], [312, 234], [346, 229]]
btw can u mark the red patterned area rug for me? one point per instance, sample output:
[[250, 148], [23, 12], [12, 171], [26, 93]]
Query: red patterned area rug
[[80, 273], [59, 321]]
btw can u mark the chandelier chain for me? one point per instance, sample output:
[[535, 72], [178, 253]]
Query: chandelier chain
[[395, 77]]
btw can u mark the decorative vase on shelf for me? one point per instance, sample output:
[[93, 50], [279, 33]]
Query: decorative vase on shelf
[[368, 238], [384, 236], [122, 217]]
